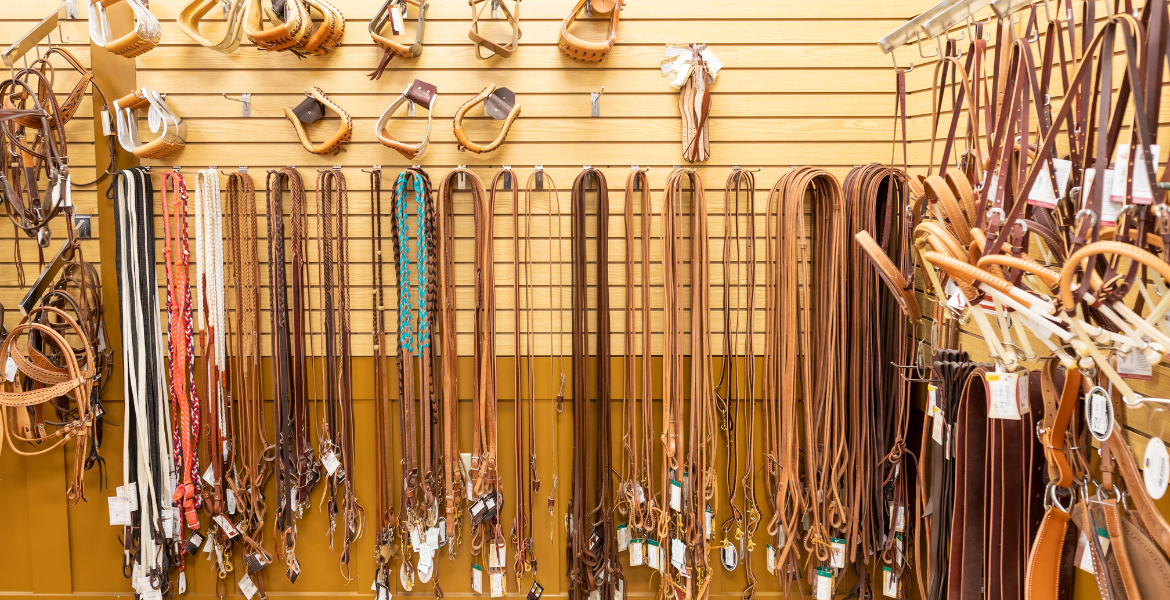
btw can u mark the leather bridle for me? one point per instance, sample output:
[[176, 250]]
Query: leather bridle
[[524, 384]]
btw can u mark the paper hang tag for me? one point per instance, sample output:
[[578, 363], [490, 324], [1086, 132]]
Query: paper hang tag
[[497, 584], [900, 524], [256, 562], [619, 590], [182, 582], [247, 587], [838, 553], [1041, 192], [227, 527], [1141, 181], [1084, 554], [106, 128], [1002, 400], [709, 517], [425, 566], [231, 502], [771, 559], [1109, 208], [294, 572], [119, 511], [623, 537], [415, 539], [209, 475], [653, 555], [329, 461], [536, 591], [193, 543], [932, 398], [433, 538], [499, 556], [310, 110], [130, 492], [678, 554], [889, 583], [728, 556], [476, 578], [396, 24], [640, 493], [1099, 413], [10, 369], [1134, 366], [499, 103], [168, 523], [1156, 468], [635, 552], [940, 422], [675, 495], [824, 584]]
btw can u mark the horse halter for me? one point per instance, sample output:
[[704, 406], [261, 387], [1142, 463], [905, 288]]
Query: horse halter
[[500, 104], [418, 92]]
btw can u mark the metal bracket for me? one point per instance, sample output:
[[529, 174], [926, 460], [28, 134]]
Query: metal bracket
[[462, 178], [588, 10], [495, 9], [245, 100], [540, 177], [243, 168], [410, 108], [81, 225], [637, 182], [227, 8], [71, 9], [508, 177], [595, 101]]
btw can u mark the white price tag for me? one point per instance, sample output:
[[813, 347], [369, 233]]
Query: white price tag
[[1109, 208], [119, 510], [623, 537], [209, 475], [838, 553], [771, 558], [247, 587], [130, 492], [500, 556], [1041, 192], [619, 590], [1141, 182], [1099, 413], [675, 495], [636, 553], [396, 24], [231, 502], [329, 461], [1003, 403], [1025, 404], [168, 523], [497, 584], [476, 578], [433, 538], [1134, 366], [640, 493], [932, 398], [1084, 555], [1156, 468], [900, 524], [106, 129], [654, 555], [10, 370], [415, 540], [889, 583], [824, 587], [678, 554], [940, 423]]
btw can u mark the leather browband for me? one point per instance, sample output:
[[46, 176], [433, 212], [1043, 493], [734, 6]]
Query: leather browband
[[578, 49], [513, 113], [482, 42], [333, 144], [383, 18], [421, 93]]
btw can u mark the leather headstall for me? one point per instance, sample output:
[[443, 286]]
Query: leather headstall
[[392, 13], [481, 42], [579, 49], [499, 106], [422, 94], [139, 40], [312, 109]]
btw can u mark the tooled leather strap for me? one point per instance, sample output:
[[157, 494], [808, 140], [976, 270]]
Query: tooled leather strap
[[391, 47], [466, 144], [579, 49], [335, 143], [480, 42], [193, 13], [420, 93], [285, 35]]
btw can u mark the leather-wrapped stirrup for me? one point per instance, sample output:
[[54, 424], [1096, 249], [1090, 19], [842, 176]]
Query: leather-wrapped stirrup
[[579, 49], [142, 38], [495, 105], [392, 48], [513, 19], [333, 144], [194, 12], [421, 93]]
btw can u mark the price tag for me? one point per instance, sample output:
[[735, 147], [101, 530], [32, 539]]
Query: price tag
[[654, 555], [182, 582], [636, 552], [824, 585], [1156, 468], [641, 493], [10, 370], [838, 553], [497, 584], [1141, 181], [932, 398], [709, 518], [168, 523], [1134, 366], [675, 495], [940, 423], [396, 24], [1022, 394], [623, 537], [678, 554], [415, 540], [119, 510], [209, 475], [433, 538], [106, 129], [476, 578], [247, 587], [619, 590], [499, 558], [1003, 403], [900, 524], [771, 558], [231, 502], [889, 583], [149, 593], [227, 526], [1109, 208], [1041, 192], [130, 492], [1099, 413], [1084, 555], [329, 461], [947, 446]]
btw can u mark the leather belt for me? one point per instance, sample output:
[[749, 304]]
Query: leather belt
[[480, 42], [578, 49], [392, 48], [418, 92], [338, 140], [500, 109]]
